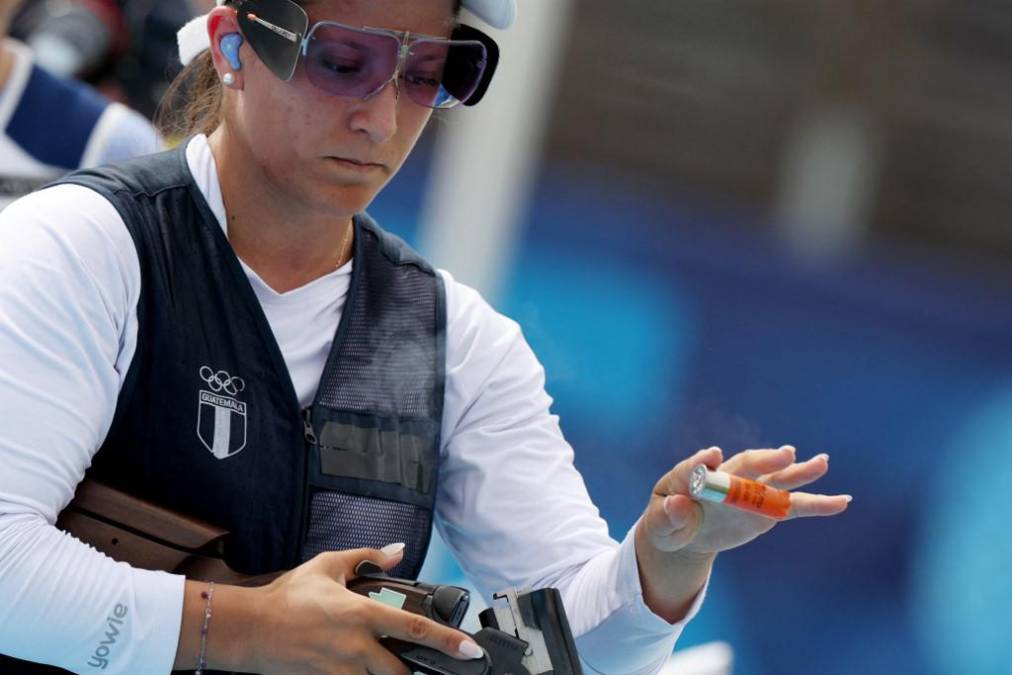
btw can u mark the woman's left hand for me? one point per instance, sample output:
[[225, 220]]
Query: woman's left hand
[[678, 537]]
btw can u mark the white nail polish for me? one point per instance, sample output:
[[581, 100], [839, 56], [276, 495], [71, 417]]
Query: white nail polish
[[391, 550], [470, 649]]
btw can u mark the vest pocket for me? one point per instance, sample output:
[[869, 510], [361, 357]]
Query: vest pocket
[[389, 456], [372, 482]]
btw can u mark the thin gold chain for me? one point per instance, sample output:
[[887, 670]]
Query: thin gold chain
[[345, 246]]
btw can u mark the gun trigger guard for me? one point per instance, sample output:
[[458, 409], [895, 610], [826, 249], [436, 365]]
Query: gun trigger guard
[[505, 651], [367, 568]]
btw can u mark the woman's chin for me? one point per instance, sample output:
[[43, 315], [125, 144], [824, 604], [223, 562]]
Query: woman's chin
[[344, 199]]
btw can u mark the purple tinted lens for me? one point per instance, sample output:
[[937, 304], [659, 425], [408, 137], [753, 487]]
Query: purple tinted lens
[[350, 63], [423, 71], [441, 74]]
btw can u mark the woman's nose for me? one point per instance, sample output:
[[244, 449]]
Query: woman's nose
[[377, 115]]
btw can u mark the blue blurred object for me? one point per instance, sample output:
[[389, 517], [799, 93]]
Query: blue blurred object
[[58, 145], [963, 587]]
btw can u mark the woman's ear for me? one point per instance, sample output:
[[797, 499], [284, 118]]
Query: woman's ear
[[226, 46]]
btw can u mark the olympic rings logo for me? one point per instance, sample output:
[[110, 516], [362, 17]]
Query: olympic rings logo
[[222, 381]]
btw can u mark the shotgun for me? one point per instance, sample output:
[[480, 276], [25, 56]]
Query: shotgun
[[526, 634]]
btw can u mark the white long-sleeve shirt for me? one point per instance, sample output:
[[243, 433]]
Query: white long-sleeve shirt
[[510, 504]]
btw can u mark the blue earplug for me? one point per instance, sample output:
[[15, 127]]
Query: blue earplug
[[230, 48]]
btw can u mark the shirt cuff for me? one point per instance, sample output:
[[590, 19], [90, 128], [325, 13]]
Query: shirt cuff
[[630, 578], [633, 639], [159, 619]]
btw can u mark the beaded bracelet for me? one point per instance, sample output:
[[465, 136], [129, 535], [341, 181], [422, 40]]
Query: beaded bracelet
[[207, 595]]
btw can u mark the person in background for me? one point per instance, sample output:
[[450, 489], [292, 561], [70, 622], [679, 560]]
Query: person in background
[[51, 125], [124, 48]]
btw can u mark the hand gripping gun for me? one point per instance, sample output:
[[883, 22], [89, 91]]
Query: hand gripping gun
[[526, 633]]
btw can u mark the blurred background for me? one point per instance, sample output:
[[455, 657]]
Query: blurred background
[[747, 223], [126, 48]]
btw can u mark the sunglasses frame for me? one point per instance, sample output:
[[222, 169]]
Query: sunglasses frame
[[274, 43]]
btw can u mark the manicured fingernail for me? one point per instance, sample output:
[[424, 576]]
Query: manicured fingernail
[[790, 449], [391, 550], [470, 649], [824, 455], [849, 498]]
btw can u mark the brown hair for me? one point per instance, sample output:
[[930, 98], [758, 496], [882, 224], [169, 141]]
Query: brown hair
[[192, 103]]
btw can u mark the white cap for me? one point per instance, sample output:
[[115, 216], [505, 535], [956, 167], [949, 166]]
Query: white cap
[[497, 13]]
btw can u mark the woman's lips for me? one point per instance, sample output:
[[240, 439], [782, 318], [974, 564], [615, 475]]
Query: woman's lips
[[356, 165]]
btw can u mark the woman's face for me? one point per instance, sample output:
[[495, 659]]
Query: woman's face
[[333, 155]]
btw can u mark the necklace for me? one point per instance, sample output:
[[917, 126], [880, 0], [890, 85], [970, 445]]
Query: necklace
[[345, 247]]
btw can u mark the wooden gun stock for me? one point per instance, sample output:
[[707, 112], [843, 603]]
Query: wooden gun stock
[[148, 536]]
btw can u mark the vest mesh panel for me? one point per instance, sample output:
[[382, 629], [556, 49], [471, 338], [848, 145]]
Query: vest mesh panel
[[387, 362], [339, 522]]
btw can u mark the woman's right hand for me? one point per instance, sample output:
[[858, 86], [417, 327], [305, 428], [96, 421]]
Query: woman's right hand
[[309, 623]]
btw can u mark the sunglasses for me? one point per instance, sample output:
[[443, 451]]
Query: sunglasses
[[353, 62]]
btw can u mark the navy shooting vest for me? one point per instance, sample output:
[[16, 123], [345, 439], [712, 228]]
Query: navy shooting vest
[[208, 423]]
